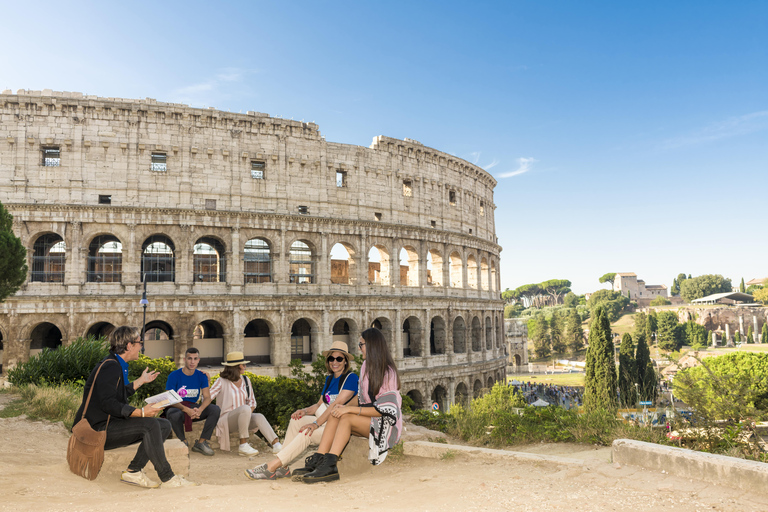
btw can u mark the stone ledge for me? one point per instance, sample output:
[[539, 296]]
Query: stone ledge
[[732, 472], [116, 461], [438, 450]]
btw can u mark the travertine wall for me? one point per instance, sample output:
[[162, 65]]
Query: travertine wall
[[395, 194]]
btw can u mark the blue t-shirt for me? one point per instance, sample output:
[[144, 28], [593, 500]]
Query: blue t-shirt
[[189, 387], [331, 389]]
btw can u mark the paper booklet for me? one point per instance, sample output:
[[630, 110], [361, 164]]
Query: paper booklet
[[165, 399]]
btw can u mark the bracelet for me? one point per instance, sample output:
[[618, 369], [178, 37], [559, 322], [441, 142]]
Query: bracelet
[[142, 412], [316, 424]]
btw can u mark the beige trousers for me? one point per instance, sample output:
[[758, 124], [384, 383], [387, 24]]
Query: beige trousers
[[245, 421], [296, 442]]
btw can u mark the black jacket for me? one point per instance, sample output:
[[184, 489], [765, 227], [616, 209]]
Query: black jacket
[[110, 395]]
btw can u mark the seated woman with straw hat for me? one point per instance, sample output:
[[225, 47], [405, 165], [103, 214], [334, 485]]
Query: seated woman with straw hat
[[234, 395], [307, 424]]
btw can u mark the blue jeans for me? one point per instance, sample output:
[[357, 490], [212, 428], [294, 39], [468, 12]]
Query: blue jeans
[[210, 414], [151, 433]]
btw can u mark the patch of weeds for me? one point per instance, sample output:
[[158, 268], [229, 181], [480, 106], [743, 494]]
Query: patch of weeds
[[13, 409], [397, 452], [448, 455], [440, 440]]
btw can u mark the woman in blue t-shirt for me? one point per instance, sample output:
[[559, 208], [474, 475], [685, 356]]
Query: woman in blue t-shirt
[[306, 425]]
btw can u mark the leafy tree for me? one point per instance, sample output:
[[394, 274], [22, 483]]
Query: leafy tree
[[556, 334], [556, 288], [646, 375], [627, 372], [675, 290], [608, 278], [660, 301], [513, 310], [600, 381], [667, 331], [13, 257], [640, 320], [701, 286], [751, 289], [571, 300], [742, 288], [695, 335], [574, 333], [508, 296], [613, 303], [540, 338], [761, 295]]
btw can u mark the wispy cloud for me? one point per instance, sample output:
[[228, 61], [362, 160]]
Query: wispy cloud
[[491, 165], [731, 127], [475, 157], [212, 89], [524, 165]]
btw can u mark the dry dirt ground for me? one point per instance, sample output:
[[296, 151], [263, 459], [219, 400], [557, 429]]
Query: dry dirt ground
[[34, 476]]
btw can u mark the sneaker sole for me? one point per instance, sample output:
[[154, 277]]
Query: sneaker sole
[[251, 478], [247, 454], [201, 452], [139, 485], [328, 478]]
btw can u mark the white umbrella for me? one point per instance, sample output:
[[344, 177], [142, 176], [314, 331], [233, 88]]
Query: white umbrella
[[540, 403], [515, 383]]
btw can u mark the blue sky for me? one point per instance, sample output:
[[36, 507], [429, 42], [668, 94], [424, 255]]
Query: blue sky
[[625, 137]]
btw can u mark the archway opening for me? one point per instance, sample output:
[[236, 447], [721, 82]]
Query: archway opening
[[412, 337], [418, 400], [383, 324], [472, 272], [208, 338], [457, 278], [477, 389], [158, 261], [343, 268], [378, 265], [494, 284], [257, 261], [437, 336], [459, 335], [301, 341], [477, 333], [434, 268], [209, 261], [48, 259], [409, 266], [462, 394], [489, 384], [100, 330], [488, 333], [484, 274], [105, 260], [301, 263], [257, 342], [440, 396], [158, 340], [44, 335]]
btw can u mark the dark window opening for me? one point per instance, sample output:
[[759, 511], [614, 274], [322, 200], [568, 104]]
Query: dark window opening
[[105, 199]]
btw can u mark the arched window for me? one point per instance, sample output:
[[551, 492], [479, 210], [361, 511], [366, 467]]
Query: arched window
[[257, 261], [48, 256], [157, 259], [302, 266], [472, 272], [209, 261], [409, 267], [105, 260], [484, 274], [343, 268], [457, 278], [434, 268], [378, 265]]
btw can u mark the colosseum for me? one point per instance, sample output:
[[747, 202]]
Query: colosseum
[[250, 233]]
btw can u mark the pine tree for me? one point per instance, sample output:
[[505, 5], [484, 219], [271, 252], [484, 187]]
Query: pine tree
[[541, 337], [556, 335], [574, 333], [646, 375], [13, 257], [666, 332], [600, 382], [627, 372]]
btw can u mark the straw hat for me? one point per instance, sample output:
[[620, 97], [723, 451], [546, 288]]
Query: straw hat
[[235, 359], [339, 346]]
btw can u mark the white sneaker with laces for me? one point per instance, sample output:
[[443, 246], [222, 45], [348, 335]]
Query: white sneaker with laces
[[138, 478], [247, 450], [178, 481], [277, 447]]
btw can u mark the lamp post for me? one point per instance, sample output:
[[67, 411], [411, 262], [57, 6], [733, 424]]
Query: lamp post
[[144, 303]]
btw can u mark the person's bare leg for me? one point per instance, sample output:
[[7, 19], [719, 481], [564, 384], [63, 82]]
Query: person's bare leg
[[348, 425], [328, 434], [274, 464]]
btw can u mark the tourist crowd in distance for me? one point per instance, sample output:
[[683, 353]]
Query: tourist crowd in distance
[[563, 396], [368, 406]]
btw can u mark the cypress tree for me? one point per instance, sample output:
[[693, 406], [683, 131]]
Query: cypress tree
[[750, 335], [541, 337], [556, 335], [650, 327], [601, 382], [627, 372], [574, 334], [764, 334], [742, 288], [13, 257], [646, 375]]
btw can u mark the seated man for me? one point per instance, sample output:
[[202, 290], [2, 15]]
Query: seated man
[[190, 383]]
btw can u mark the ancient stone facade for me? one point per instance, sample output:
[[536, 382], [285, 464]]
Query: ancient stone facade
[[236, 222]]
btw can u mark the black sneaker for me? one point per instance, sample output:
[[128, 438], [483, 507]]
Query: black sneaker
[[202, 447]]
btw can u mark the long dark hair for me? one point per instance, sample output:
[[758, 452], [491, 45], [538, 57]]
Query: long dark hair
[[378, 360]]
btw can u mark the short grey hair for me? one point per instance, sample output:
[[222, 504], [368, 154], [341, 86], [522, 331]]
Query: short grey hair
[[121, 337]]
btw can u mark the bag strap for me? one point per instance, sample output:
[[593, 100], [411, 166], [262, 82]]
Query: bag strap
[[90, 392]]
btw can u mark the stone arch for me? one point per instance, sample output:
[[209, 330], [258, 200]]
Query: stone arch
[[302, 262], [343, 263], [158, 259], [209, 261], [434, 268], [456, 273], [477, 388], [100, 330], [257, 341], [158, 339], [105, 259], [440, 395], [303, 343], [257, 260], [208, 338], [489, 385], [484, 274], [409, 266], [437, 336], [44, 335], [346, 329], [459, 335], [379, 265], [488, 333], [518, 360], [383, 324], [418, 399], [477, 331], [472, 271], [462, 393], [412, 337], [49, 254]]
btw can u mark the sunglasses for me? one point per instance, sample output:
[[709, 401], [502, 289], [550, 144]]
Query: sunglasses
[[338, 359], [361, 345]]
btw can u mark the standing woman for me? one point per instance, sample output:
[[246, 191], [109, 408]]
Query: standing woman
[[236, 401], [378, 416]]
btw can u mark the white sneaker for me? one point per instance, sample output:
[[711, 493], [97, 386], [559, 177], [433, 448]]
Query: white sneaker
[[277, 447], [178, 481], [138, 478], [247, 450]]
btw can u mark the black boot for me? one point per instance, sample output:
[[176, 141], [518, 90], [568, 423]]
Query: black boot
[[311, 463], [325, 472]]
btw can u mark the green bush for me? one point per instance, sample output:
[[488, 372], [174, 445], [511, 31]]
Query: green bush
[[66, 364], [164, 365]]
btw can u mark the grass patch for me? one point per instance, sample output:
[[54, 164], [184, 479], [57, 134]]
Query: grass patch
[[50, 403], [448, 455]]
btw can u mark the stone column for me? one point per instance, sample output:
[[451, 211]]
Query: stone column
[[714, 339], [235, 262], [280, 349], [756, 335], [325, 338], [74, 269], [397, 337], [727, 333], [451, 393], [741, 326]]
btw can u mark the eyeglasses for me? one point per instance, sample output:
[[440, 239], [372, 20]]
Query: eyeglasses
[[361, 345], [338, 359], [139, 342]]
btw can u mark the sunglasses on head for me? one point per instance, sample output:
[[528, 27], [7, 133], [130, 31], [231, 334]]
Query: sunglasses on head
[[338, 359]]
